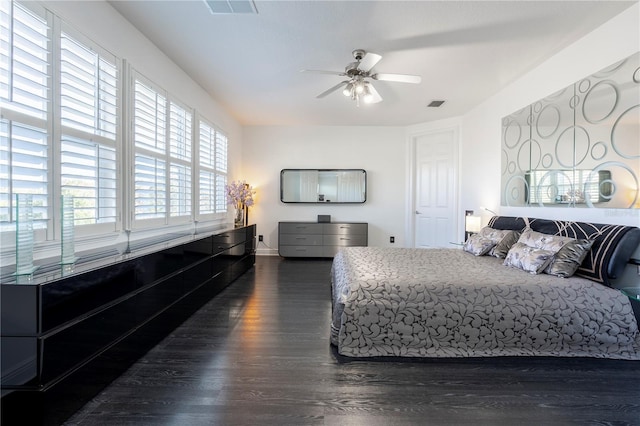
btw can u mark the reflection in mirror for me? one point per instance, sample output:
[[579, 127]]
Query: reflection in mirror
[[323, 186], [545, 187], [578, 147]]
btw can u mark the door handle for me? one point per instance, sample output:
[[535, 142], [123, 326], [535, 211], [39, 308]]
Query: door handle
[[417, 212]]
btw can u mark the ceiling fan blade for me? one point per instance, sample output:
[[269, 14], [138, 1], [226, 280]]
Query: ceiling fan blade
[[325, 72], [369, 61], [375, 96], [333, 89], [401, 78]]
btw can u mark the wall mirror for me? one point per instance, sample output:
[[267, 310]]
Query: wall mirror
[[323, 186], [579, 147]]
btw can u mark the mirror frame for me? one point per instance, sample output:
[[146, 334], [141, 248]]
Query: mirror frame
[[284, 171]]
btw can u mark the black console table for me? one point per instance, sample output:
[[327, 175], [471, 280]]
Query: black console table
[[68, 332]]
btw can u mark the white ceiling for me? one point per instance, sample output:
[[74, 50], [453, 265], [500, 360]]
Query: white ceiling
[[465, 51]]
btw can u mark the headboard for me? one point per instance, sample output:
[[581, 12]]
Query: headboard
[[612, 247]]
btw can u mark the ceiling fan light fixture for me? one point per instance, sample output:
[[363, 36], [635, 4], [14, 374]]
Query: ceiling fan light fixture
[[357, 85], [348, 89], [367, 95]]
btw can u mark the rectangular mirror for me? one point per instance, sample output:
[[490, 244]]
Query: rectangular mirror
[[323, 186]]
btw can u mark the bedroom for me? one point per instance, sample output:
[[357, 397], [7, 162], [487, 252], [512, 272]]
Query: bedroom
[[387, 147]]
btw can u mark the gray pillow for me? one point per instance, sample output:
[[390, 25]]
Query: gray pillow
[[529, 259], [508, 240], [503, 239], [569, 258], [478, 245]]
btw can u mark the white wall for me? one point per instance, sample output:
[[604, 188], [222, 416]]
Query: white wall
[[481, 128], [381, 151]]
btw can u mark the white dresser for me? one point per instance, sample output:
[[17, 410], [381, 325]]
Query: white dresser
[[313, 239]]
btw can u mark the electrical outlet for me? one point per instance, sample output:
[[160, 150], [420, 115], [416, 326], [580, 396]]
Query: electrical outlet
[[392, 240], [260, 238]]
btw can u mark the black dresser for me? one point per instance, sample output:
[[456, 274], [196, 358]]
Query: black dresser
[[68, 332]]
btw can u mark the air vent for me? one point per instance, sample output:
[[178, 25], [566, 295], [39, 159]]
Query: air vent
[[219, 7], [435, 104]]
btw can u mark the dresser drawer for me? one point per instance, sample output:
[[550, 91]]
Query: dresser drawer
[[300, 228], [301, 251], [344, 240], [300, 240], [345, 228]]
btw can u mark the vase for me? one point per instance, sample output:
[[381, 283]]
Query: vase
[[239, 217]]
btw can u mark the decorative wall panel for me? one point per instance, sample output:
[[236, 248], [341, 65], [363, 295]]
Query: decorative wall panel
[[579, 147]]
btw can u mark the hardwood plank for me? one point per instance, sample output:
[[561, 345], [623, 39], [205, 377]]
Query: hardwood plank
[[259, 353]]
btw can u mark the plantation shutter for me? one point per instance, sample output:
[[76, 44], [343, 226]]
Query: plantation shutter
[[24, 108], [180, 155], [150, 168], [88, 103]]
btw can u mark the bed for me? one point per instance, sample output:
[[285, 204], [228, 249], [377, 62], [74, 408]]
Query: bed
[[404, 302]]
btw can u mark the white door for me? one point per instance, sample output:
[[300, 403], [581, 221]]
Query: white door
[[435, 188]]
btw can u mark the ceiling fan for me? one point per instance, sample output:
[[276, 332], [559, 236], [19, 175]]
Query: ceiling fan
[[357, 85]]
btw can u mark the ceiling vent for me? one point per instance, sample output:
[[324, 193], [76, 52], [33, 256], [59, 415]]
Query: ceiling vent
[[435, 104], [219, 7]]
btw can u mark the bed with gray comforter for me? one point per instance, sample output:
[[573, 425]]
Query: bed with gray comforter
[[450, 303]]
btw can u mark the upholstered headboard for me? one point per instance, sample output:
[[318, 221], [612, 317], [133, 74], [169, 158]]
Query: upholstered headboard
[[612, 247]]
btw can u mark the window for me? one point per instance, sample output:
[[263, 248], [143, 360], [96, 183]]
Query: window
[[79, 148], [163, 156], [212, 170], [60, 126]]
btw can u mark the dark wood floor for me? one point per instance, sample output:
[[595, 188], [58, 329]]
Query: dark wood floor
[[259, 354]]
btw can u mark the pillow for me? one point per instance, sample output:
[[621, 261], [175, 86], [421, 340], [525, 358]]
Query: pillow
[[502, 248], [527, 258], [543, 241], [478, 245], [569, 258], [503, 238]]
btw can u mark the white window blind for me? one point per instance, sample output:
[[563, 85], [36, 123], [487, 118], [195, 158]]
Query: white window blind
[[180, 157], [88, 89], [150, 187], [89, 111], [212, 175], [24, 60], [150, 118], [207, 192], [23, 170], [221, 172], [24, 108], [180, 190], [88, 173], [150, 165]]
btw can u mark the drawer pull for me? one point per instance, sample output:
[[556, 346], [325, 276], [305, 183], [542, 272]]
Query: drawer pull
[[301, 238], [345, 239]]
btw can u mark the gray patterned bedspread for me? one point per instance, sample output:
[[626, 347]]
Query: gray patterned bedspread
[[448, 303]]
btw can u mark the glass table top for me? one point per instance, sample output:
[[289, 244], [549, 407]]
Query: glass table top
[[631, 292]]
